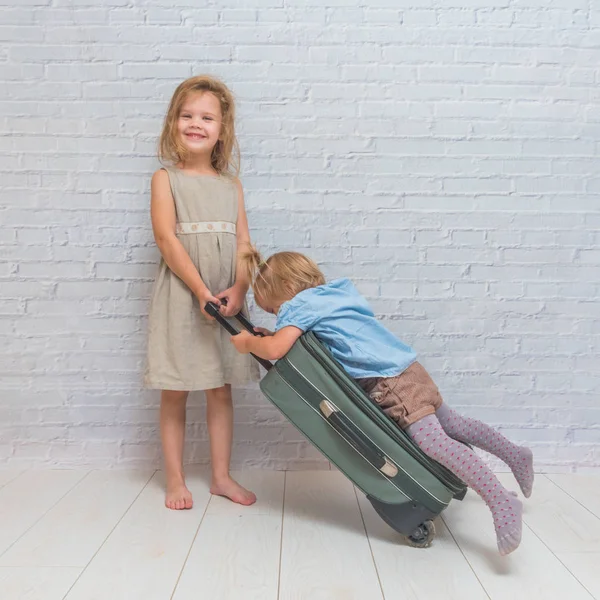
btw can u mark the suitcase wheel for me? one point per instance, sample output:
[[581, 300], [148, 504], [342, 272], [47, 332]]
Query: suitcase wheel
[[423, 535]]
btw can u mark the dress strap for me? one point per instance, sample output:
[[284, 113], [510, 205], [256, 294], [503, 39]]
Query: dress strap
[[206, 227]]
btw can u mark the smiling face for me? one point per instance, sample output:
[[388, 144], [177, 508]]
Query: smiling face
[[199, 122], [200, 126]]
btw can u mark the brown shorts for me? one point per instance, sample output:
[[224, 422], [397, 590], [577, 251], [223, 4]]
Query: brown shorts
[[407, 397]]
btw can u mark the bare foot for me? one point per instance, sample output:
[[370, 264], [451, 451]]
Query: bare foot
[[234, 491], [178, 497]]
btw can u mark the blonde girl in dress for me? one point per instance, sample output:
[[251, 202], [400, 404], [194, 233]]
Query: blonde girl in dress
[[200, 227]]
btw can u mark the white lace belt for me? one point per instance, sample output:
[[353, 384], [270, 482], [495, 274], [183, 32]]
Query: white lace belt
[[206, 227]]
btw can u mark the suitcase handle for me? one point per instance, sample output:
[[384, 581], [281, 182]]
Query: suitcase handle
[[213, 310], [357, 439]]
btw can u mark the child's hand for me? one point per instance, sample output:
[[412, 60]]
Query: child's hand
[[234, 300], [263, 331], [241, 341], [203, 299]]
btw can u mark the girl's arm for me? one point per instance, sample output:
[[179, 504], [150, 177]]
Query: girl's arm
[[236, 294], [243, 239], [164, 219], [272, 347]]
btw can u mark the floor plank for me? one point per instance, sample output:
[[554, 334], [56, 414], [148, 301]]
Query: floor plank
[[28, 497], [405, 572], [233, 558], [584, 566], [36, 583], [584, 488], [144, 555], [532, 572], [325, 553], [94, 506], [559, 520], [7, 475], [237, 549]]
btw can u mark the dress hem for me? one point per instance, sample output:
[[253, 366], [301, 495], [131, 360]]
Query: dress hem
[[195, 387]]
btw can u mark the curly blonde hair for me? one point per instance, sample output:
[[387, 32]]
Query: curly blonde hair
[[225, 156], [280, 277]]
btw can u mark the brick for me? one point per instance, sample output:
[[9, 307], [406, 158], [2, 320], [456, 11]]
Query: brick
[[62, 307], [63, 270], [89, 288]]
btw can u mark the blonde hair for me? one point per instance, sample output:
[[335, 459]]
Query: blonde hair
[[281, 276], [225, 156]]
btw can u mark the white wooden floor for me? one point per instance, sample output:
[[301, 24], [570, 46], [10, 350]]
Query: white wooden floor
[[105, 535]]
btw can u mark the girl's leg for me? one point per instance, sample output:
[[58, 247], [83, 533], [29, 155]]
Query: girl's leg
[[462, 461], [219, 417], [472, 431], [172, 431]]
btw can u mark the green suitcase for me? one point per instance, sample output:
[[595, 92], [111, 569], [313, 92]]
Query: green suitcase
[[405, 487]]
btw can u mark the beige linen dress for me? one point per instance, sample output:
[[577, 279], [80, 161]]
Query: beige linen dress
[[186, 351]]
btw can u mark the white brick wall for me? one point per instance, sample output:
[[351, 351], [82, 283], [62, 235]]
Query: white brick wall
[[441, 153]]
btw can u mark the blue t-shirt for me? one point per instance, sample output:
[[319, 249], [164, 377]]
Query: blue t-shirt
[[343, 320]]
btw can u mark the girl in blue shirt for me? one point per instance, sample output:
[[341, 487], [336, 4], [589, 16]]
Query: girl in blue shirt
[[291, 286]]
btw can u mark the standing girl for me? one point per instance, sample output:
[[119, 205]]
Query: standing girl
[[200, 227]]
